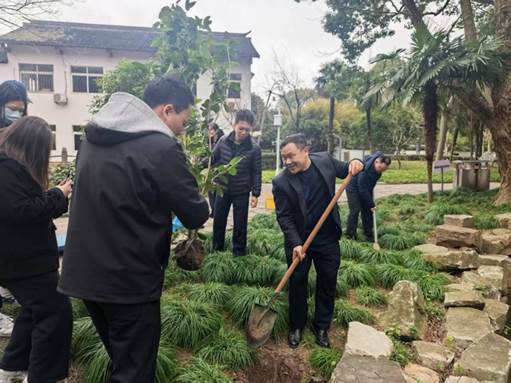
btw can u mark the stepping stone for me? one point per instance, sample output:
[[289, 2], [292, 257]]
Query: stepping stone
[[459, 287], [406, 310], [455, 236], [495, 275], [497, 312], [504, 220], [364, 369], [364, 340], [487, 360], [433, 355], [465, 326], [461, 379], [461, 220], [415, 373], [481, 284], [449, 259], [464, 298], [497, 241], [498, 260]]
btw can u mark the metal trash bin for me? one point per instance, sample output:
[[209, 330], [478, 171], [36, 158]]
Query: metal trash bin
[[472, 175]]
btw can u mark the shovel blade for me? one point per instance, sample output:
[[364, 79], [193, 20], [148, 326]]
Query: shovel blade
[[260, 325]]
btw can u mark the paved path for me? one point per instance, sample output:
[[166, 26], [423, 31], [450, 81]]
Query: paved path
[[381, 190]]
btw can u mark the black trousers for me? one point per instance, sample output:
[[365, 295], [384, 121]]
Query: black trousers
[[212, 198], [357, 207], [131, 335], [326, 262], [239, 235], [41, 340]]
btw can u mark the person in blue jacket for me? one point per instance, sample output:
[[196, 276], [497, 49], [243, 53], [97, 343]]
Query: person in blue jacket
[[360, 194]]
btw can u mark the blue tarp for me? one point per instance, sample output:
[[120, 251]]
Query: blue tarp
[[61, 238]]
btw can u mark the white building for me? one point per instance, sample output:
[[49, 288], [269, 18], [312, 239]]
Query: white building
[[59, 63]]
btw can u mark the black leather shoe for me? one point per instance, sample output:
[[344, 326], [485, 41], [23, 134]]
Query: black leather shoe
[[294, 338], [321, 337]]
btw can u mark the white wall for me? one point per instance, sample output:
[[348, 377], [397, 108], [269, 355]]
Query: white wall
[[76, 111]]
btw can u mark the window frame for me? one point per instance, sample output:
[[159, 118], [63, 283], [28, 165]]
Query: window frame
[[88, 73], [234, 94], [37, 72]]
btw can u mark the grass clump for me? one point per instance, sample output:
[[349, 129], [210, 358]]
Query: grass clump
[[346, 313], [369, 296], [200, 371], [209, 292], [219, 267], [357, 274], [255, 270], [389, 274], [435, 214], [401, 352], [394, 242], [485, 222], [229, 348], [186, 323], [324, 361], [351, 249], [264, 221], [264, 241]]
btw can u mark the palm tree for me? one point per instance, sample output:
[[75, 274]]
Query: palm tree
[[436, 64]]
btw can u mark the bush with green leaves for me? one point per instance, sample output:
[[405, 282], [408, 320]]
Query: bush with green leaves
[[264, 221], [345, 313], [244, 299], [351, 249], [200, 371], [209, 292], [256, 270], [357, 274], [369, 296], [264, 241], [219, 267], [186, 323], [228, 348], [324, 361], [394, 242], [61, 172], [375, 257]]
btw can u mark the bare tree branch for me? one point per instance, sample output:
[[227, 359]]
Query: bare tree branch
[[15, 12]]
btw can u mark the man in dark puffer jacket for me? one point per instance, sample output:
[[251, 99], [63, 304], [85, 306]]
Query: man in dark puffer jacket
[[238, 188]]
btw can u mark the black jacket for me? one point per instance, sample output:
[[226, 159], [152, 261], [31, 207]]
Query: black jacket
[[248, 174], [27, 235], [290, 201], [364, 182], [131, 175]]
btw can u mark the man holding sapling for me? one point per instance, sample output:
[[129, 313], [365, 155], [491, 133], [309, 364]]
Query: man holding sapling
[[360, 194], [302, 193]]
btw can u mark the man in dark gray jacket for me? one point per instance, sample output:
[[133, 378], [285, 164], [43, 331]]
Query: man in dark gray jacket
[[131, 176], [238, 188]]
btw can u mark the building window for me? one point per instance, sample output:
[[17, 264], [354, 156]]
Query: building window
[[234, 85], [85, 78], [53, 129], [37, 77], [77, 134]]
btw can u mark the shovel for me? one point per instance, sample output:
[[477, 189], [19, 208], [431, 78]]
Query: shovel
[[262, 317], [376, 245]]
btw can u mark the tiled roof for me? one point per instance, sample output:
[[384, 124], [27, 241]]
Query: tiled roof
[[114, 37]]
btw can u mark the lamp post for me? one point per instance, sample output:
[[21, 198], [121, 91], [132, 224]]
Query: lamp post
[[277, 122]]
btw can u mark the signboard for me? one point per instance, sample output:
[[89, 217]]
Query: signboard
[[439, 166]]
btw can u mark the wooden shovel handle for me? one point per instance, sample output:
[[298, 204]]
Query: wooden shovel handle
[[314, 232]]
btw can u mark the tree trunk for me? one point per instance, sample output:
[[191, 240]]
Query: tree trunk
[[443, 134], [454, 140], [468, 20], [369, 124], [430, 111], [479, 140], [330, 134]]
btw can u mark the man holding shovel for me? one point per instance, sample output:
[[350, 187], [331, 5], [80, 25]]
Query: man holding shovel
[[360, 195], [302, 193]]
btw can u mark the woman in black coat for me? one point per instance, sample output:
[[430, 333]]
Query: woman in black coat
[[40, 342]]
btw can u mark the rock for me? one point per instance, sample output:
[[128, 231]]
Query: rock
[[463, 259], [364, 369], [433, 355], [461, 220], [498, 260], [366, 341], [459, 287], [415, 373], [497, 312], [495, 275], [488, 359], [465, 326], [497, 241], [406, 310], [504, 220], [430, 249], [481, 284], [461, 379], [455, 236], [464, 298]]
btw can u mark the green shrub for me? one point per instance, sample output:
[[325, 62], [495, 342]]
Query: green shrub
[[375, 257], [255, 270], [435, 214], [351, 249], [383, 230], [342, 287], [245, 297], [345, 313], [79, 309], [407, 208], [209, 292], [264, 221], [485, 222], [357, 274], [394, 242], [264, 241], [432, 285], [369, 296], [229, 348], [219, 267], [324, 361], [185, 323], [61, 172], [199, 371]]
